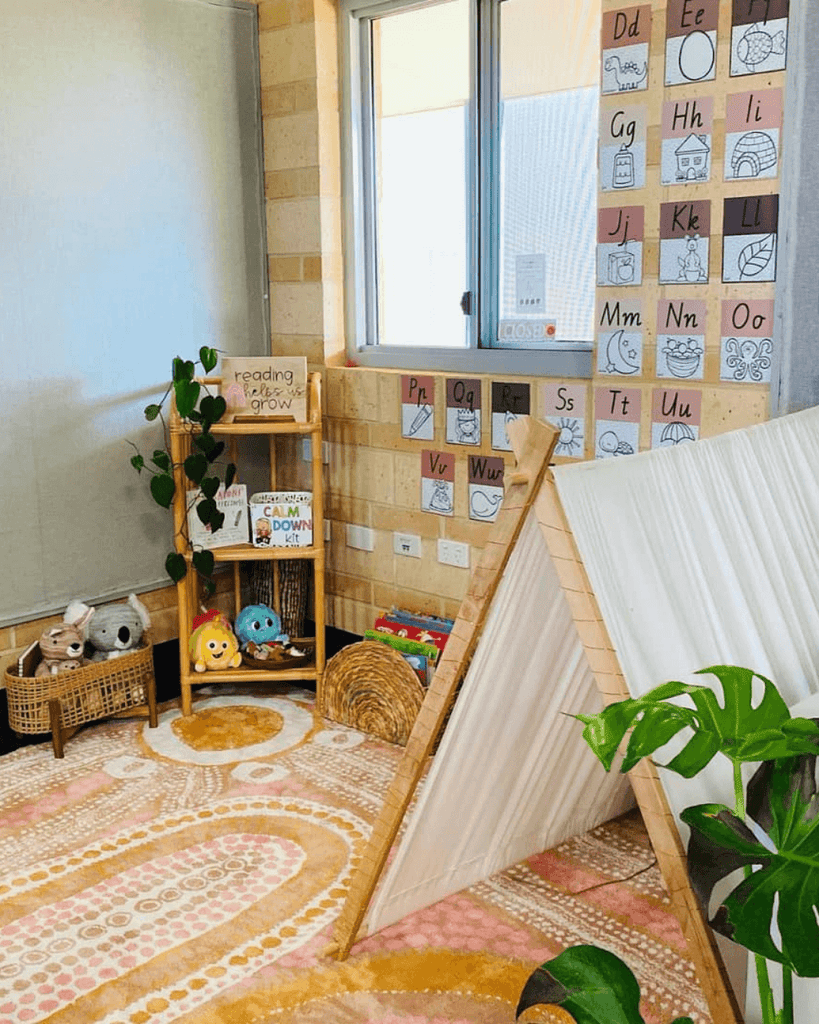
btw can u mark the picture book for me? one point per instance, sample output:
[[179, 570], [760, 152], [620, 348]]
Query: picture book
[[422, 621], [403, 645], [282, 519], [233, 503], [411, 632]]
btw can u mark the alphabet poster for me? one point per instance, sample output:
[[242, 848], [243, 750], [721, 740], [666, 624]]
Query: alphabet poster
[[684, 237], [622, 155], [616, 422], [485, 487], [753, 134], [564, 406], [746, 342], [509, 400], [418, 407], [687, 127], [463, 411], [691, 41], [681, 338], [675, 417], [620, 245], [620, 337], [438, 482], [759, 36], [749, 238], [626, 35]]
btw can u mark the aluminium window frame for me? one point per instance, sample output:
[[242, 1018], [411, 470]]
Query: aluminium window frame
[[565, 359]]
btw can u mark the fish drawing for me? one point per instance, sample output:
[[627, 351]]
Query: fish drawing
[[756, 45]]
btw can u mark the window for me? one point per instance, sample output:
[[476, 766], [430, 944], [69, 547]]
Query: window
[[470, 167]]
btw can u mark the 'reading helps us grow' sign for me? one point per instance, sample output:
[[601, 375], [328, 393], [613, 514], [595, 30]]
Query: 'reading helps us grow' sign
[[265, 388]]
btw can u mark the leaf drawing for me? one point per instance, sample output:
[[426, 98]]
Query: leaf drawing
[[753, 259]]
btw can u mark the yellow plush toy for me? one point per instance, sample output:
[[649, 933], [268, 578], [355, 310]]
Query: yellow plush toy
[[212, 644]]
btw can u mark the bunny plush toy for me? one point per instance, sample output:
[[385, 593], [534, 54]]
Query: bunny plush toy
[[62, 646]]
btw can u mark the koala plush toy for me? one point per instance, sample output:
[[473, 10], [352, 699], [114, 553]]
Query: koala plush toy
[[116, 629]]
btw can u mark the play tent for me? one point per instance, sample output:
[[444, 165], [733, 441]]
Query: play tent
[[627, 571]]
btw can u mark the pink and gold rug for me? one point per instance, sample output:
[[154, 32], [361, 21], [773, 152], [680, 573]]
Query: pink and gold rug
[[192, 873]]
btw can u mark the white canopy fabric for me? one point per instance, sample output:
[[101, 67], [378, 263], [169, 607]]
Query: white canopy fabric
[[512, 775], [707, 554]]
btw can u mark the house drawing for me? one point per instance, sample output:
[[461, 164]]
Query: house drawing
[[692, 158]]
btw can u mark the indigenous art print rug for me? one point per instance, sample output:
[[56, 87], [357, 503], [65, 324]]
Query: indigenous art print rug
[[192, 873]]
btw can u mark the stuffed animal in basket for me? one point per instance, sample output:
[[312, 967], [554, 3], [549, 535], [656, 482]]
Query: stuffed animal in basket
[[259, 624], [117, 629], [212, 643], [62, 647]]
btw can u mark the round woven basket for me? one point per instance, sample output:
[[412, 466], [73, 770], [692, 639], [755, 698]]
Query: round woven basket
[[370, 687]]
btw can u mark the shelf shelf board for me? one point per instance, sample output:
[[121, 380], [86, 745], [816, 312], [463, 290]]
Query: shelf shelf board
[[250, 553], [249, 675]]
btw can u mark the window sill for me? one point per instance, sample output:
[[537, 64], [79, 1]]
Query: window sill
[[571, 361]]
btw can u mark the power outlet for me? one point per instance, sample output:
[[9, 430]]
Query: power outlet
[[307, 450], [451, 552], [361, 537], [408, 544]]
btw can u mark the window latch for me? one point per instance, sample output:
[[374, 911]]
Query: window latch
[[466, 303]]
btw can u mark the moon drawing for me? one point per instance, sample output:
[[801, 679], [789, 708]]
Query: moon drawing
[[622, 354], [696, 57]]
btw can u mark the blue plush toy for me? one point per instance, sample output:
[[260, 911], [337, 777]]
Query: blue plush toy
[[259, 624]]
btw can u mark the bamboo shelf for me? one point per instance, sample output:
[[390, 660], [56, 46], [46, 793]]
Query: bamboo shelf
[[236, 554]]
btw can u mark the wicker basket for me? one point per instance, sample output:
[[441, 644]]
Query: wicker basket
[[85, 694], [370, 687]]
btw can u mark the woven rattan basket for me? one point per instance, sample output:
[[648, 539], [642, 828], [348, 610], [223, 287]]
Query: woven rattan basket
[[85, 694], [370, 687]]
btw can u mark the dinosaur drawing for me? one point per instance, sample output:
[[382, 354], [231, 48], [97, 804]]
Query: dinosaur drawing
[[628, 74]]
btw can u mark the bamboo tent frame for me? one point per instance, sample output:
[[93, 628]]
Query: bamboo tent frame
[[531, 488]]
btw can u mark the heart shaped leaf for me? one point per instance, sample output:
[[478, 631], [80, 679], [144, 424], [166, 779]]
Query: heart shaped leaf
[[162, 489], [195, 466], [203, 562], [230, 474], [782, 798], [151, 412], [187, 395], [138, 462], [208, 358], [206, 510], [738, 728], [210, 485], [212, 408], [183, 369], [162, 459], [175, 566], [591, 984]]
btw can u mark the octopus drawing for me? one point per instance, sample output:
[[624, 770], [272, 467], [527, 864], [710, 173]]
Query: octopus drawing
[[748, 358]]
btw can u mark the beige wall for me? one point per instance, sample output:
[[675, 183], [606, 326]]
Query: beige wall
[[374, 475]]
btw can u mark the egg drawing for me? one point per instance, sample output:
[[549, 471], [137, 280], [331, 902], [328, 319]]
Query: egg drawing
[[696, 56]]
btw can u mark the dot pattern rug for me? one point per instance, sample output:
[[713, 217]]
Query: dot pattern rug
[[193, 873]]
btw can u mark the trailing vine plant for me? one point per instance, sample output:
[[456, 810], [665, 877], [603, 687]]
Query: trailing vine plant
[[198, 410]]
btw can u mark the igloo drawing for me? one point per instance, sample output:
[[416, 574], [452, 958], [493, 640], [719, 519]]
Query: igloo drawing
[[753, 153]]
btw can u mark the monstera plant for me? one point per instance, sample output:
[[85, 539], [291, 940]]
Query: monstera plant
[[772, 912], [199, 411]]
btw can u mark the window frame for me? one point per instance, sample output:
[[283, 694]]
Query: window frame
[[571, 358]]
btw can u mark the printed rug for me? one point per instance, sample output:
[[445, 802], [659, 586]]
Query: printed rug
[[192, 873]]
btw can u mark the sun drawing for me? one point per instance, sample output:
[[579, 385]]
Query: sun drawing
[[570, 440]]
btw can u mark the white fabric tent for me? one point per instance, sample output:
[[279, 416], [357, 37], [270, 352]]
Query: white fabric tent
[[708, 554], [699, 555], [528, 781]]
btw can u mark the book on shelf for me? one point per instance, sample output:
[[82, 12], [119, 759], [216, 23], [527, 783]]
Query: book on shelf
[[233, 503], [402, 644], [393, 627], [281, 519], [435, 622]]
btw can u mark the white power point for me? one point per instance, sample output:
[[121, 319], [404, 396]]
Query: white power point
[[408, 544], [361, 537], [451, 552]]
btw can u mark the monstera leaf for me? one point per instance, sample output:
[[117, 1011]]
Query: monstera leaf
[[782, 799], [591, 984], [737, 728]]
